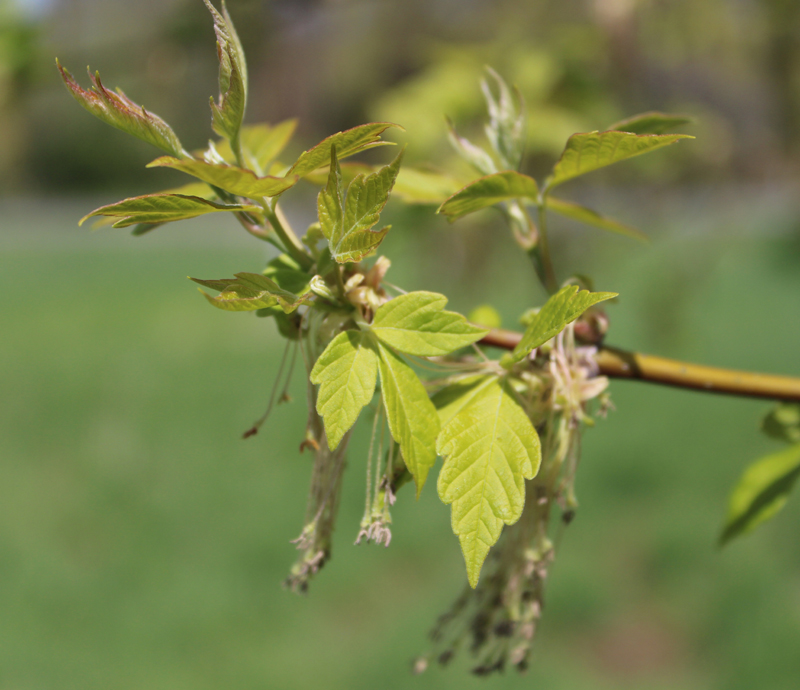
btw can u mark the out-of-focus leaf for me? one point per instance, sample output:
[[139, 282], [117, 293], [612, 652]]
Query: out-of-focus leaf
[[251, 291], [761, 492], [119, 111], [261, 144], [235, 180], [783, 422], [417, 324], [651, 123], [412, 417], [346, 372], [490, 448], [485, 315], [593, 150], [227, 114], [286, 272], [163, 208], [474, 155], [346, 143], [586, 215], [489, 190], [506, 128], [415, 186], [561, 309], [347, 221]]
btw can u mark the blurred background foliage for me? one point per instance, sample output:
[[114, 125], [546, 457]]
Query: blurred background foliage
[[141, 545]]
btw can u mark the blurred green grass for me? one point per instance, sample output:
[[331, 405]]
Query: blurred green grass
[[142, 544]]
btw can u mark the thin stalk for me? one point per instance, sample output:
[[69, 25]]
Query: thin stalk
[[550, 282], [289, 240]]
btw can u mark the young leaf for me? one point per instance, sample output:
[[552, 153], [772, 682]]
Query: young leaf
[[416, 186], [286, 272], [587, 152], [506, 128], [251, 291], [119, 111], [490, 448], [228, 113], [346, 372], [261, 144], [346, 143], [417, 324], [783, 422], [411, 415], [651, 123], [489, 190], [586, 215], [347, 222], [761, 492], [559, 311], [474, 155], [163, 208], [228, 177]]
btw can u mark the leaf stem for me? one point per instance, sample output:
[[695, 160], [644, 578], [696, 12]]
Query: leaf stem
[[617, 363], [543, 250], [290, 242]]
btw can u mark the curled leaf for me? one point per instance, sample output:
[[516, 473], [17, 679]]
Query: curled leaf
[[251, 291], [117, 110]]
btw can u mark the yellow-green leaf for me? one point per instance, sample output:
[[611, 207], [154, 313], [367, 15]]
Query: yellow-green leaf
[[417, 324], [415, 186], [261, 144], [347, 221], [559, 311], [346, 372], [346, 143], [761, 492], [235, 180], [489, 190], [586, 215], [251, 291], [411, 415], [490, 448], [593, 150], [119, 111], [163, 208]]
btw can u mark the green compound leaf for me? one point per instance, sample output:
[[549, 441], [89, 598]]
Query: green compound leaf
[[593, 150], [761, 492], [251, 291], [783, 422], [227, 114], [411, 415], [347, 222], [651, 123], [417, 324], [228, 177], [346, 372], [163, 208], [559, 311], [346, 143], [261, 144], [490, 448], [586, 215], [119, 111], [489, 190]]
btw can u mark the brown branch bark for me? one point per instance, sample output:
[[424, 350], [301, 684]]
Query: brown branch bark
[[616, 363]]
